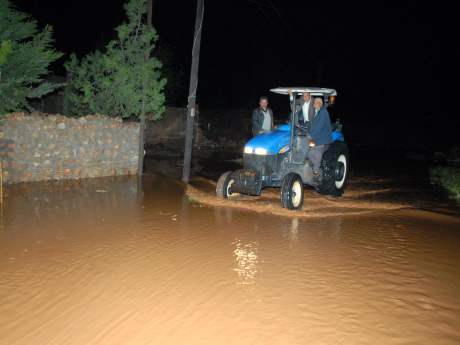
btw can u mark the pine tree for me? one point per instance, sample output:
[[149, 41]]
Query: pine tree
[[25, 55], [124, 80]]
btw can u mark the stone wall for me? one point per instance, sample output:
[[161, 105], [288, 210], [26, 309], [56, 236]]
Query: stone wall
[[54, 147]]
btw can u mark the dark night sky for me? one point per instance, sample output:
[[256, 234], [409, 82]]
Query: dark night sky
[[390, 61]]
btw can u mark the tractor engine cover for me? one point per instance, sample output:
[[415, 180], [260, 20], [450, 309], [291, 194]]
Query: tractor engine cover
[[246, 181]]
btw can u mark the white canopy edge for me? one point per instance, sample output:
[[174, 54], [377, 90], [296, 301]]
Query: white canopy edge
[[314, 91]]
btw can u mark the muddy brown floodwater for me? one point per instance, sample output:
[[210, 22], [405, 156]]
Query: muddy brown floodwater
[[107, 261]]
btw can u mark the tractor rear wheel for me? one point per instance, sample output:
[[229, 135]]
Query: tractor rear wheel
[[292, 192], [335, 169], [224, 185]]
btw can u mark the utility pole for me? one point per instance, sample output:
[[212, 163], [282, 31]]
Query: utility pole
[[149, 14], [192, 91], [140, 166]]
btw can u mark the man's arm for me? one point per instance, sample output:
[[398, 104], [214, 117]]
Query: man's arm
[[291, 98], [297, 109]]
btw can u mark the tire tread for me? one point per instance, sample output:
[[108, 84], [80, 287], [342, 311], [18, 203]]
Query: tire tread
[[286, 187], [221, 187], [327, 185]]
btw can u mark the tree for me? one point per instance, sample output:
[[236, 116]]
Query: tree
[[124, 80], [25, 55]]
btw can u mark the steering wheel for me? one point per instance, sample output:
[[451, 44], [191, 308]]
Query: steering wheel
[[302, 130]]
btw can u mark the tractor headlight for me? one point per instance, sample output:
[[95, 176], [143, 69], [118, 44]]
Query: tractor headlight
[[247, 149], [261, 151], [284, 149]]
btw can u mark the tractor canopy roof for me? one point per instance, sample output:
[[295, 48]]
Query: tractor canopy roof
[[314, 91]]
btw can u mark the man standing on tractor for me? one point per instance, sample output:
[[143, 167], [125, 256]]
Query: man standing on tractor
[[320, 136], [304, 109], [262, 117]]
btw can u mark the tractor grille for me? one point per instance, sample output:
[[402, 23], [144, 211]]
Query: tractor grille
[[246, 181], [265, 165]]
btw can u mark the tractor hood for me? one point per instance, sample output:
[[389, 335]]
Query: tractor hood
[[269, 143]]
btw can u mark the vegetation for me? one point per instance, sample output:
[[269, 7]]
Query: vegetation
[[25, 55], [448, 178], [124, 80]]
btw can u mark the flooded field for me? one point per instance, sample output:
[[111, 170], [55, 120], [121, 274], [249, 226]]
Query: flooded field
[[113, 261]]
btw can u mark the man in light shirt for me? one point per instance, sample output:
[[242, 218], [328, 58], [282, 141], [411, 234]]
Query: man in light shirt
[[304, 109], [262, 117]]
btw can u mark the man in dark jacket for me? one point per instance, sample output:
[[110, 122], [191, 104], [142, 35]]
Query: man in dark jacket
[[262, 117], [320, 136]]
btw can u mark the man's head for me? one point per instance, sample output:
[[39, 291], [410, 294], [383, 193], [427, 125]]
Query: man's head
[[263, 102], [306, 96], [318, 103]]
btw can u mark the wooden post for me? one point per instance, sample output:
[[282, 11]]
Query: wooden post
[[1, 182], [192, 91], [1, 195]]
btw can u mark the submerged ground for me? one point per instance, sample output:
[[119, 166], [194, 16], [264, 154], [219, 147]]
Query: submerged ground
[[115, 261]]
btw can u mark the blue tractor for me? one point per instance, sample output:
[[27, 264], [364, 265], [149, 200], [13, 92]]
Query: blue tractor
[[278, 159]]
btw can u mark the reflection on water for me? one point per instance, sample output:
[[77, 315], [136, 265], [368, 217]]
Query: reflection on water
[[246, 261], [111, 261], [293, 229]]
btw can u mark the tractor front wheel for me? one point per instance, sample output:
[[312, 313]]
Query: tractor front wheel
[[292, 192], [224, 185]]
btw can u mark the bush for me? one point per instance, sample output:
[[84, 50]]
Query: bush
[[25, 55], [124, 80], [448, 178]]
